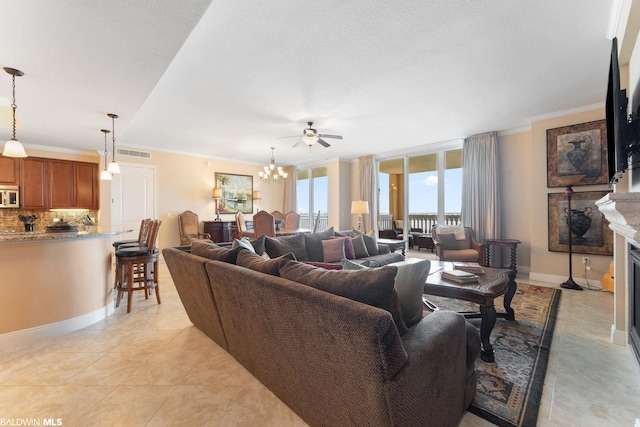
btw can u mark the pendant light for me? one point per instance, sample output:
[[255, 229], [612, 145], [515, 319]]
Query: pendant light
[[113, 166], [105, 175], [13, 148]]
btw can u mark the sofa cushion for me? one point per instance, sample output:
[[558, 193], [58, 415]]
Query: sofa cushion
[[372, 286], [244, 242], [277, 246], [333, 250], [360, 249], [253, 261], [313, 243], [349, 251], [410, 280], [213, 251], [370, 240]]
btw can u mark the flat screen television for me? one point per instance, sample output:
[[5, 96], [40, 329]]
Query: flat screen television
[[617, 123]]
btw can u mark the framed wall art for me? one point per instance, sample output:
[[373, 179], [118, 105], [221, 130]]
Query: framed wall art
[[577, 155], [590, 232], [237, 193]]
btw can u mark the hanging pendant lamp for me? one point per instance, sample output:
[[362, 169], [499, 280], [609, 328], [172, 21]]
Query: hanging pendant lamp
[[13, 147], [113, 166], [105, 175]]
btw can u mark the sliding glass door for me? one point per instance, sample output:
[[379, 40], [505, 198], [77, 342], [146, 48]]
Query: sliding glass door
[[312, 196]]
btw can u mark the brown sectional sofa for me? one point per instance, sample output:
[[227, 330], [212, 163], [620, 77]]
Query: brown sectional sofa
[[332, 360]]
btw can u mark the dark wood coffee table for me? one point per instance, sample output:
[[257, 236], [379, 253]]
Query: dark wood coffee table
[[394, 245], [492, 284]]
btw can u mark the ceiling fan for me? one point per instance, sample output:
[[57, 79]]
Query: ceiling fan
[[310, 136]]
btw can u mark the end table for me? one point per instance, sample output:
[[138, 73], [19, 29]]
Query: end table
[[508, 243]]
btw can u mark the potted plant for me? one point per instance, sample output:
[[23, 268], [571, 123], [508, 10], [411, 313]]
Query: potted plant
[[28, 221]]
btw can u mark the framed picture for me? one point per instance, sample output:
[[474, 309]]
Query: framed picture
[[237, 193], [577, 155], [590, 232]]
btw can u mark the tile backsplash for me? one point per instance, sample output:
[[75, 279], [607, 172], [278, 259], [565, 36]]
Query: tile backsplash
[[9, 220]]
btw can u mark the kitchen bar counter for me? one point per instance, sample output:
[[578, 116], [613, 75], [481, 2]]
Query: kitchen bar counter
[[54, 283]]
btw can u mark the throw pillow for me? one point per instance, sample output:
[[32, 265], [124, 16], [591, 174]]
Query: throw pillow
[[215, 252], [259, 245], [244, 243], [255, 262], [349, 251], [359, 248], [313, 243], [333, 250], [410, 280], [347, 264], [450, 242], [370, 240], [373, 286], [277, 246], [324, 265]]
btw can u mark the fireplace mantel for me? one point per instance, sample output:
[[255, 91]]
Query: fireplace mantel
[[622, 210]]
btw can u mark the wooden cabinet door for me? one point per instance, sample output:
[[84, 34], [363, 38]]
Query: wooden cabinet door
[[61, 188], [86, 185], [9, 171], [33, 183]]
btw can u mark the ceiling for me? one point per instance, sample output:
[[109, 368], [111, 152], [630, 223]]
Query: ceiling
[[227, 78]]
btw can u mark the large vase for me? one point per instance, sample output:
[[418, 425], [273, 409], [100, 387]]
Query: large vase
[[579, 154], [580, 221]]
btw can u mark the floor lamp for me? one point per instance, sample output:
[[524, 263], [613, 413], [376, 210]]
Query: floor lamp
[[360, 207], [570, 283]]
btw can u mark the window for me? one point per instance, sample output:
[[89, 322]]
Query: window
[[312, 196]]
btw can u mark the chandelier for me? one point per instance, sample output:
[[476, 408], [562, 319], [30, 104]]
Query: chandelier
[[271, 173]]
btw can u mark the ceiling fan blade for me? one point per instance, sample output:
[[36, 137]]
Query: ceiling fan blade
[[297, 143], [293, 136], [330, 136], [323, 143]]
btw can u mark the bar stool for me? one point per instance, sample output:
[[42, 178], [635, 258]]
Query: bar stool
[[143, 234], [137, 268]]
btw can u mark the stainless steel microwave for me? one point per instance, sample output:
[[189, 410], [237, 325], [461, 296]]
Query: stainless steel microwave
[[9, 196]]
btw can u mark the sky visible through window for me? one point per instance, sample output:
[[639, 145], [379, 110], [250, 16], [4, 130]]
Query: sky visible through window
[[423, 192]]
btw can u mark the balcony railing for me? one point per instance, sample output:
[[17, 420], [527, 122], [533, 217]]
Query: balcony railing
[[423, 221]]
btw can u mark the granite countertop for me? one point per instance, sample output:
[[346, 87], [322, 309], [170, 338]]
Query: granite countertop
[[30, 236]]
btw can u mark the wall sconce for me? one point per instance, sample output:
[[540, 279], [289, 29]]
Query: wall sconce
[[256, 198], [360, 207], [217, 195]]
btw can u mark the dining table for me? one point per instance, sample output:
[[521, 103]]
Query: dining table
[[292, 231]]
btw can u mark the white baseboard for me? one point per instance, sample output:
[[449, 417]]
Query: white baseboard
[[31, 335], [618, 337], [552, 278]]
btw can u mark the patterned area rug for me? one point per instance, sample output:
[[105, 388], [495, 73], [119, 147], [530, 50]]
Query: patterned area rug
[[509, 391]]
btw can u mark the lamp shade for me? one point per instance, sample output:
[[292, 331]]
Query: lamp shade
[[257, 195], [105, 175], [13, 148], [359, 207], [217, 193], [114, 167]]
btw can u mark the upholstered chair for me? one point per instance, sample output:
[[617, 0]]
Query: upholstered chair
[[292, 220], [188, 228], [264, 224], [241, 225], [453, 243]]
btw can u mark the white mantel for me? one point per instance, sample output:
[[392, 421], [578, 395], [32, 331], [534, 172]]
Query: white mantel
[[622, 210]]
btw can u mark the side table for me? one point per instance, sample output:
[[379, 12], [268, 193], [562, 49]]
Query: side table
[[394, 245], [508, 243]]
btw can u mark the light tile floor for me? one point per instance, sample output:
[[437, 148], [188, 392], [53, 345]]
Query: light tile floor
[[152, 367]]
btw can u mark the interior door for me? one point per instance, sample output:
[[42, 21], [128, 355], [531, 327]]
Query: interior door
[[133, 193]]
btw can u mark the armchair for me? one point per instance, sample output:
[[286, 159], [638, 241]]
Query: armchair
[[188, 228], [454, 243]]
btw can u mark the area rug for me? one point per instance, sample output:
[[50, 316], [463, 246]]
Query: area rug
[[509, 391]]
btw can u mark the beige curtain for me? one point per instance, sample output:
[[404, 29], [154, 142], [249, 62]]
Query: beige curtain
[[368, 190], [481, 207], [290, 198]]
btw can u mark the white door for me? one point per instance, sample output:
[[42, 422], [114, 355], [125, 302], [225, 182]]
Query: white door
[[133, 198]]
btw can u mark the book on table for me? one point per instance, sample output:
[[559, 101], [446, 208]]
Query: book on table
[[470, 267], [459, 276]]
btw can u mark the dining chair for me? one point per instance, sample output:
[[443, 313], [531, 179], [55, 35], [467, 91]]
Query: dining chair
[[264, 224], [292, 220], [241, 225], [277, 215]]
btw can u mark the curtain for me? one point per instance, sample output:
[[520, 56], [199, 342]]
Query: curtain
[[290, 193], [368, 190], [481, 209]]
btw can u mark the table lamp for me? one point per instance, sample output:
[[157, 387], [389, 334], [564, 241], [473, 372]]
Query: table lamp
[[217, 195], [360, 207]]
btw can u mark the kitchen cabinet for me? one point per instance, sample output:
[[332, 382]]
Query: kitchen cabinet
[[72, 184], [9, 171], [33, 183], [58, 184]]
